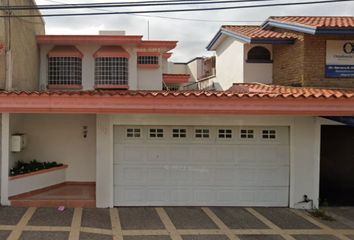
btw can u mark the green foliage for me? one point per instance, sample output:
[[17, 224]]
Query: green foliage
[[22, 167]]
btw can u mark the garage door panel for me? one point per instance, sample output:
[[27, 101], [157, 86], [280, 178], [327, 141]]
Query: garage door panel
[[207, 172], [129, 175], [179, 154], [202, 154], [225, 155], [129, 153], [263, 155]]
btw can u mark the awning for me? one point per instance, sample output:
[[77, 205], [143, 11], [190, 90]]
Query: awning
[[65, 51], [346, 120], [111, 51]]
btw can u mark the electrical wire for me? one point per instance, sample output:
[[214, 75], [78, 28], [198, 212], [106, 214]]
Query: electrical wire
[[170, 18], [119, 5], [177, 10]]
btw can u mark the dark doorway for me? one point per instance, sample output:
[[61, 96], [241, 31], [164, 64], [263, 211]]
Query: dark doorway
[[337, 166]]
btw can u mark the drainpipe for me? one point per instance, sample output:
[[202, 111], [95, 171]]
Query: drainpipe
[[8, 57]]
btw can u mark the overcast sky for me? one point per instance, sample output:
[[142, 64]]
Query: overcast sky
[[192, 36]]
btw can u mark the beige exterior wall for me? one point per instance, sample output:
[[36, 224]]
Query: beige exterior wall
[[19, 37]]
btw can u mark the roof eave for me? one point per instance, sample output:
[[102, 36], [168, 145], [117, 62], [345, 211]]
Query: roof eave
[[293, 27], [245, 39]]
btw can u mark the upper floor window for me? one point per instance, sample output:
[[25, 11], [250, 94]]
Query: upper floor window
[[111, 71], [148, 59], [64, 71], [111, 67], [64, 67], [259, 54]]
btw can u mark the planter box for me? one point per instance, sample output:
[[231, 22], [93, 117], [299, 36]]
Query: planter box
[[36, 180]]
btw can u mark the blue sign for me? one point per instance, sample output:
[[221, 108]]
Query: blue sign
[[340, 71]]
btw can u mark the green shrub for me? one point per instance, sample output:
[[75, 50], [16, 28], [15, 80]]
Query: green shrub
[[22, 167]]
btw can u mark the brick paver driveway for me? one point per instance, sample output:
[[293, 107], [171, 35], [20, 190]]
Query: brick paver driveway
[[184, 223]]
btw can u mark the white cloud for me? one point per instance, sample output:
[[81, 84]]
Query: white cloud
[[192, 36]]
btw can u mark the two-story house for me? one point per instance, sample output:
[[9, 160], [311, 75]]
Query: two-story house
[[100, 109], [293, 51]]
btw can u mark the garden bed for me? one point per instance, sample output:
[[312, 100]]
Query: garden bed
[[36, 180]]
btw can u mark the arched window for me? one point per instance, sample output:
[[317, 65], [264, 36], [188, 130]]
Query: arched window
[[259, 55]]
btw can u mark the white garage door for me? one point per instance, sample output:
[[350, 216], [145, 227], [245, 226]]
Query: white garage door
[[195, 166]]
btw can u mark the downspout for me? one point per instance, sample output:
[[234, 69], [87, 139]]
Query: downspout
[[8, 54]]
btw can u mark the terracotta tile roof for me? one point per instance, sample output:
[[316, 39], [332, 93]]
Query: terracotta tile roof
[[249, 90], [317, 22], [286, 91], [256, 32]]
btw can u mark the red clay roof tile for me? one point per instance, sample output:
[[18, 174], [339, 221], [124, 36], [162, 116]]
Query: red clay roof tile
[[317, 22], [247, 90], [256, 32]]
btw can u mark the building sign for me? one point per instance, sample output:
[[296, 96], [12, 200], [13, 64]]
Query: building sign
[[340, 59]]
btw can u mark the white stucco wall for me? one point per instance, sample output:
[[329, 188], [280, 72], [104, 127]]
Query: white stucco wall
[[229, 64], [59, 137], [35, 182], [258, 72], [150, 79], [304, 148], [177, 68]]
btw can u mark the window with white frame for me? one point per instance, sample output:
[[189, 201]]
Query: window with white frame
[[179, 133], [225, 133], [247, 133], [202, 133], [148, 60], [269, 134], [156, 133], [64, 71], [111, 71], [133, 132]]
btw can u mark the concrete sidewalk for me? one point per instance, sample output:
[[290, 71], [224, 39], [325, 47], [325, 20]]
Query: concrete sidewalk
[[173, 223]]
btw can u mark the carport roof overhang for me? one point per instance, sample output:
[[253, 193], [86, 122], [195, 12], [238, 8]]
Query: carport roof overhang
[[183, 103]]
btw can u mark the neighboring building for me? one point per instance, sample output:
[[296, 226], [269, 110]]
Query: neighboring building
[[99, 109], [200, 70], [294, 51], [19, 57]]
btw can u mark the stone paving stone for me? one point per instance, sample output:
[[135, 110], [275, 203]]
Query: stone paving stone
[[4, 234], [94, 236], [51, 217], [96, 218], [260, 237], [238, 218], [35, 235], [315, 237], [11, 215], [285, 219], [190, 218], [205, 237], [140, 218], [344, 217], [146, 238]]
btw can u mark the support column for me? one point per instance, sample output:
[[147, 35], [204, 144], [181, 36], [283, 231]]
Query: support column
[[304, 160], [5, 155], [104, 162]]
